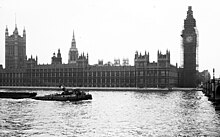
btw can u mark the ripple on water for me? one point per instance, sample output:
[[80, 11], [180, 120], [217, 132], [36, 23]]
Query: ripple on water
[[175, 113]]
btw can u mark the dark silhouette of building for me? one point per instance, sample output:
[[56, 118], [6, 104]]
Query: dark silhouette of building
[[189, 46], [79, 73], [56, 59], [15, 50]]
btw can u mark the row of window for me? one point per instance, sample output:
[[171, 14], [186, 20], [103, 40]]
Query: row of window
[[71, 70], [86, 82], [74, 76], [78, 75], [153, 72], [11, 75]]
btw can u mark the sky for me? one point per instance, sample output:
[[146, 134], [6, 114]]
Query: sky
[[112, 29]]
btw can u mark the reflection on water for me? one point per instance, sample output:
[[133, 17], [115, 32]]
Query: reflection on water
[[175, 113]]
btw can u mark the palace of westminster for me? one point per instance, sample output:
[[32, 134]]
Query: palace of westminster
[[20, 71]]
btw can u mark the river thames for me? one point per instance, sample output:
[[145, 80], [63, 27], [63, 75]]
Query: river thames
[[121, 114]]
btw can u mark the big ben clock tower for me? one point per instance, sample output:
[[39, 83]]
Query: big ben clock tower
[[189, 45]]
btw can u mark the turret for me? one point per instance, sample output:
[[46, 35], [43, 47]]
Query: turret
[[16, 30], [58, 59], [24, 33], [141, 60], [31, 62], [6, 32], [58, 54], [36, 59], [87, 56], [163, 59], [82, 60], [136, 55]]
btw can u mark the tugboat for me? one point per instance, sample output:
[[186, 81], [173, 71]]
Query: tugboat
[[66, 95], [17, 95]]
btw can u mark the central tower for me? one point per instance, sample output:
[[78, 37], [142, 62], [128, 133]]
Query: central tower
[[73, 52], [189, 46]]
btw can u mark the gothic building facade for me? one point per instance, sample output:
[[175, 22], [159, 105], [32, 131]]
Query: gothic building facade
[[79, 73], [155, 74], [20, 71], [15, 49]]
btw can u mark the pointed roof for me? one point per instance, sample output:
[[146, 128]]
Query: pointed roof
[[6, 29], [190, 12], [24, 30], [73, 44], [189, 22], [73, 39], [16, 29]]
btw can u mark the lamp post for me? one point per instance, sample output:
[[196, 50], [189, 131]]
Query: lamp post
[[213, 84]]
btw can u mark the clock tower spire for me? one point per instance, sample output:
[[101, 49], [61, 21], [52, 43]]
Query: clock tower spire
[[189, 47]]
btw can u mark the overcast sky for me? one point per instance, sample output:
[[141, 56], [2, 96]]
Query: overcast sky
[[112, 29]]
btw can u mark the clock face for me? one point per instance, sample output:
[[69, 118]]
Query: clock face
[[189, 39]]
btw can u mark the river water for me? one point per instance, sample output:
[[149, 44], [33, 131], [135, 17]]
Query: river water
[[121, 114]]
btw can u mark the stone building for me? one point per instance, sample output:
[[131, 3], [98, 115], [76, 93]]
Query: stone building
[[79, 73], [155, 74], [15, 49], [190, 51]]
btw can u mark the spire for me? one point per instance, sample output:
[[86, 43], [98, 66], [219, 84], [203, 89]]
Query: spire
[[73, 41], [24, 32], [6, 31], [73, 35], [16, 30], [73, 52], [15, 21]]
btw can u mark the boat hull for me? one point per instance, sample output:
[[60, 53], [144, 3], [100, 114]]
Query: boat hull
[[17, 95], [63, 97]]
